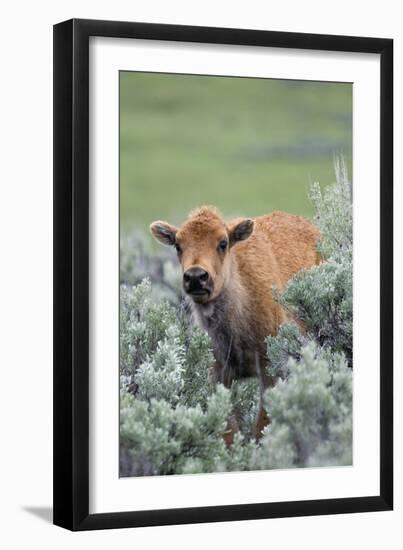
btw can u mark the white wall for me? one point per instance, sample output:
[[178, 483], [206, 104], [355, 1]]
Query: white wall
[[26, 280]]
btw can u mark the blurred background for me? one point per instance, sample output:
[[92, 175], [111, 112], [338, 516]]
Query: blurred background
[[245, 145]]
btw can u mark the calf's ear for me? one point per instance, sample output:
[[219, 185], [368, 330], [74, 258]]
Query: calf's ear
[[164, 232], [241, 230]]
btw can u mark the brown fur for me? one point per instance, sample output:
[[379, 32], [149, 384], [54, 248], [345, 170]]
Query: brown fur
[[240, 311]]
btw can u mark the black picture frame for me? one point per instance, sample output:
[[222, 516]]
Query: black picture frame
[[71, 274]]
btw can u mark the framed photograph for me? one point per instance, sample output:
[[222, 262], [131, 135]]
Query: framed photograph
[[223, 237]]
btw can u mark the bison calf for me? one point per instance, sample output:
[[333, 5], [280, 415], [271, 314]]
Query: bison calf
[[229, 271]]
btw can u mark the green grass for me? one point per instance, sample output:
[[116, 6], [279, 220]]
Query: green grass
[[248, 146]]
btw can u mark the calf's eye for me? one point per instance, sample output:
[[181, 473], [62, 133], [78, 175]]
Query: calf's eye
[[222, 246], [178, 248]]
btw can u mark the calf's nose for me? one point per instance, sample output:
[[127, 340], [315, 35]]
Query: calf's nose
[[195, 278]]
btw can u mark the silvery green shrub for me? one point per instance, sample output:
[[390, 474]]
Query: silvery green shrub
[[139, 260], [322, 297], [334, 214], [161, 356], [157, 438], [311, 414]]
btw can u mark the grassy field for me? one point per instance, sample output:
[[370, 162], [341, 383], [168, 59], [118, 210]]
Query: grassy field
[[248, 146]]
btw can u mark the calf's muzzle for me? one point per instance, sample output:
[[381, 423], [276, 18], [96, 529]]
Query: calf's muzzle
[[195, 281]]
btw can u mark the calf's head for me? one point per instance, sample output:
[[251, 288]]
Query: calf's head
[[203, 245]]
